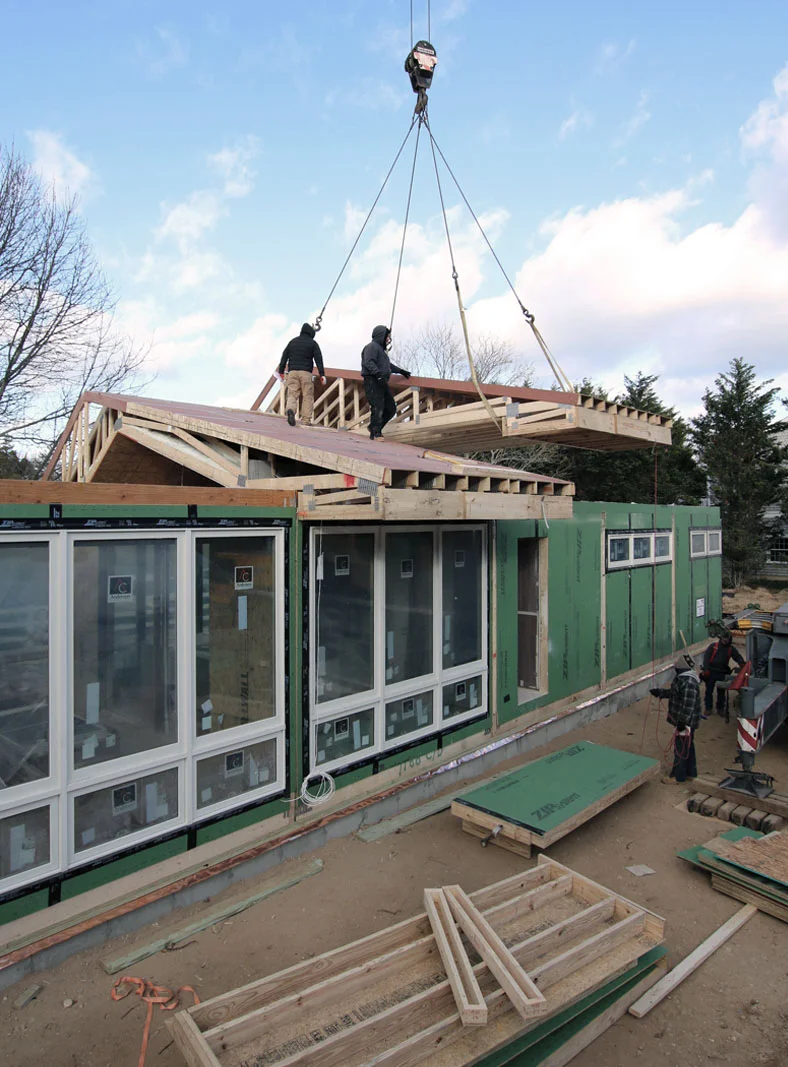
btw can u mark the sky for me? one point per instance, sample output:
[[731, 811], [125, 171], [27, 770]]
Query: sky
[[628, 163]]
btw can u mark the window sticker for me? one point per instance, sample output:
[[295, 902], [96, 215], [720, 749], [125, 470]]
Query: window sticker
[[124, 798], [341, 566], [244, 577], [120, 587], [406, 568], [234, 764]]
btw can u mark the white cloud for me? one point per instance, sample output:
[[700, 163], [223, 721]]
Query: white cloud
[[640, 116], [579, 119], [611, 55], [765, 140], [233, 166], [164, 52], [59, 167]]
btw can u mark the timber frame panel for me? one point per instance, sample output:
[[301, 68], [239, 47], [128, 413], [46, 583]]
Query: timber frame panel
[[449, 415], [386, 1000], [115, 438]]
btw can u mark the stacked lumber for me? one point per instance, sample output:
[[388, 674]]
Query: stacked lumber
[[747, 866], [550, 957], [544, 800]]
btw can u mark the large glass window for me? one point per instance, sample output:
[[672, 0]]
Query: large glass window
[[118, 810], [344, 630], [409, 715], [462, 597], [231, 774], [409, 596], [236, 664], [24, 662], [345, 736], [24, 841], [125, 662]]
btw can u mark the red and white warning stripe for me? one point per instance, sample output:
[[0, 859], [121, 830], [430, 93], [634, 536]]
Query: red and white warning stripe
[[749, 734]]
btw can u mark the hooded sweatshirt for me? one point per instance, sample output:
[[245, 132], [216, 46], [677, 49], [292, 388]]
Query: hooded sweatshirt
[[302, 353], [375, 362]]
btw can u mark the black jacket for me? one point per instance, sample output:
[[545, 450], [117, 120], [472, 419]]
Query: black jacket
[[375, 362], [684, 708], [717, 657], [302, 352]]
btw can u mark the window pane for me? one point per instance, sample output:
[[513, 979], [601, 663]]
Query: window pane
[[24, 663], [236, 632], [118, 810], [462, 597], [125, 662], [641, 547], [344, 619], [661, 546], [698, 544], [714, 542], [528, 574], [24, 841], [230, 774], [409, 582], [461, 697], [408, 715], [345, 736], [618, 548]]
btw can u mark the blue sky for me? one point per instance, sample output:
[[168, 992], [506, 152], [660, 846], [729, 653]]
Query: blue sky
[[629, 163]]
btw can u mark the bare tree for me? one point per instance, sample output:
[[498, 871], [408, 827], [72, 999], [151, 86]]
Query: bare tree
[[437, 351], [57, 331]]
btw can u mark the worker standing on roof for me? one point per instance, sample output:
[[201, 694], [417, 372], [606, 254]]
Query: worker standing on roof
[[300, 357], [376, 369]]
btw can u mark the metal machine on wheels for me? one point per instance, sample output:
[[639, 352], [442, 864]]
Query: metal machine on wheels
[[763, 703]]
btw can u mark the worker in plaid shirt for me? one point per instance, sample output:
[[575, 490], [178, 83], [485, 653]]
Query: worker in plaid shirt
[[684, 712]]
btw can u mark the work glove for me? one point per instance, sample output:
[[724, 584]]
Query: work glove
[[405, 373], [655, 692]]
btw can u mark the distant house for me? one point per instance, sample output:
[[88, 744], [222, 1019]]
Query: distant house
[[776, 566]]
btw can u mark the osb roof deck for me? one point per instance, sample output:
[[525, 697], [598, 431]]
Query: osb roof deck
[[337, 475], [449, 415]]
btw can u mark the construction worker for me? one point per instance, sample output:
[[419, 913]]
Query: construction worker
[[376, 369], [684, 713], [300, 357], [716, 667]]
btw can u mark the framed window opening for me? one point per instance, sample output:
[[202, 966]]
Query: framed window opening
[[531, 618], [93, 576], [422, 593], [705, 542], [638, 548]]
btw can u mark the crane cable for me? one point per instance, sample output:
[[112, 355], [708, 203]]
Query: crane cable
[[456, 280], [561, 378], [319, 319]]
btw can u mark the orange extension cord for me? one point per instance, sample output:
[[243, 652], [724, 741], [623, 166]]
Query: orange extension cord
[[167, 999]]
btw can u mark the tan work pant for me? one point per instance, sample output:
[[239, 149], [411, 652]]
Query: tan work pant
[[300, 385]]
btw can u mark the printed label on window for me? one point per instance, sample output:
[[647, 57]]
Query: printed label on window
[[244, 577], [120, 587]]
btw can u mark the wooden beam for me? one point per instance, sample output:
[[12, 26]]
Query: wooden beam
[[464, 984], [526, 998], [189, 1040], [692, 962], [156, 442]]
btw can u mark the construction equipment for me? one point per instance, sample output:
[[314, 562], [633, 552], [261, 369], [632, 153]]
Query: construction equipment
[[419, 66], [763, 706]]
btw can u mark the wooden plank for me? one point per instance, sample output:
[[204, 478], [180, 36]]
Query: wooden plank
[[142, 952], [13, 491], [500, 841], [157, 442], [526, 998], [692, 962], [190, 1041], [464, 984], [749, 896], [775, 803]]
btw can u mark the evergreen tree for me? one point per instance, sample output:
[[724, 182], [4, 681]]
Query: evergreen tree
[[744, 464]]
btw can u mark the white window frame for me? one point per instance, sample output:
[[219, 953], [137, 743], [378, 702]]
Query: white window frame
[[706, 531], [694, 553], [65, 781], [714, 551], [631, 562], [383, 693]]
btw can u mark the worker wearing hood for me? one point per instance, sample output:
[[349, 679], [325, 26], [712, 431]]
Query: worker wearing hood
[[300, 357], [376, 369]]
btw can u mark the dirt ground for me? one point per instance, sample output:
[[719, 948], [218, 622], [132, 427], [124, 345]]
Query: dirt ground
[[766, 599], [731, 1011]]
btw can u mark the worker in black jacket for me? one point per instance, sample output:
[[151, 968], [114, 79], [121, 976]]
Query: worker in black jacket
[[300, 357], [684, 714], [376, 369], [716, 668]]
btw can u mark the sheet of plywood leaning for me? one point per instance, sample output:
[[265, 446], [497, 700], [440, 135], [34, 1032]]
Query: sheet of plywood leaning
[[546, 799], [387, 999]]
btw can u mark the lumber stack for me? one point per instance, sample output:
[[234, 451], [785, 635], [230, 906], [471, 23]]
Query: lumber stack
[[548, 956], [748, 866]]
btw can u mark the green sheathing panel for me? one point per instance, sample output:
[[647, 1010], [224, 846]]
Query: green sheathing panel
[[544, 1041], [351, 777], [617, 616], [124, 511], [641, 611], [17, 909], [574, 604], [663, 614], [415, 753], [241, 820], [81, 883], [547, 792], [24, 511], [206, 511]]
